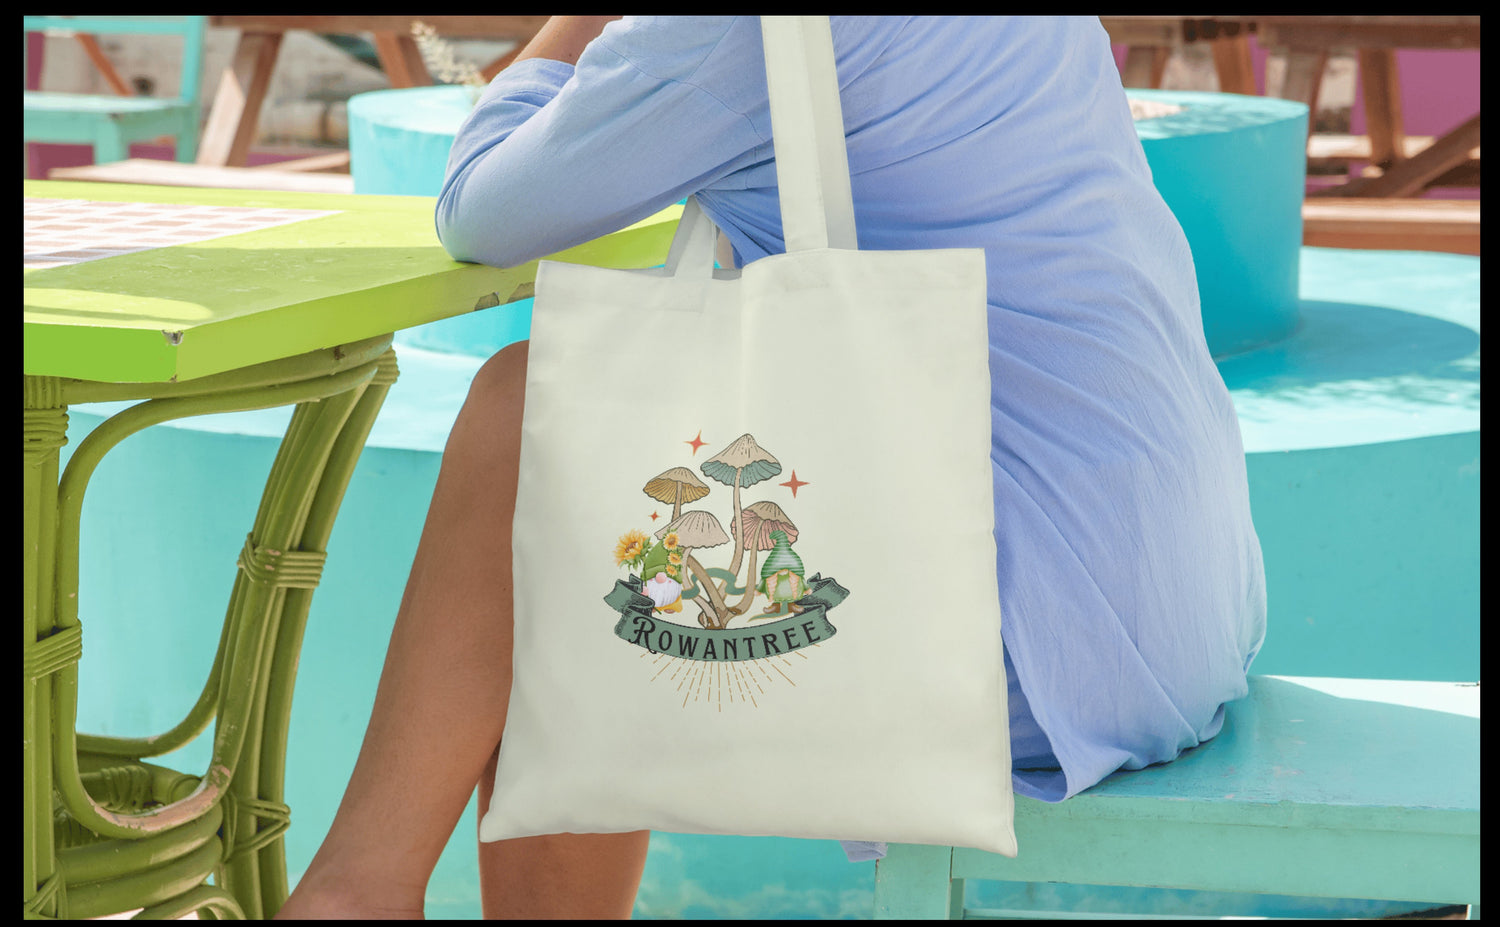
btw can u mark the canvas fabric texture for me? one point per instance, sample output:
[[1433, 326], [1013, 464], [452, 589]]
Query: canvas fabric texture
[[754, 558]]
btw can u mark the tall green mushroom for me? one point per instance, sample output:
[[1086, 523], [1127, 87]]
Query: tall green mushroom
[[758, 520], [694, 530], [677, 485], [742, 463]]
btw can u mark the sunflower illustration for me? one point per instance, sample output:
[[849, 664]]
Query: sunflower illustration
[[670, 541], [632, 548]]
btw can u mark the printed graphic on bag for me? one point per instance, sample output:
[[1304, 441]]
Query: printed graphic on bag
[[668, 574]]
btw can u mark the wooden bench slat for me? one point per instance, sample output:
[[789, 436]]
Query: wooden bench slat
[[1409, 224], [174, 174], [1410, 176], [1338, 147], [335, 161]]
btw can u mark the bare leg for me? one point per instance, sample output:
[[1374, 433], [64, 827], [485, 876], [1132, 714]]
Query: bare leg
[[577, 876], [440, 706]]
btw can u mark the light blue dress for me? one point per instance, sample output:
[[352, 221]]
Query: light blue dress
[[1131, 584]]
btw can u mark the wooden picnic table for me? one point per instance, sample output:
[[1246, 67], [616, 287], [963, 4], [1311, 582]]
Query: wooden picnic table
[[1149, 40], [235, 110], [198, 301], [1400, 166], [1307, 41]]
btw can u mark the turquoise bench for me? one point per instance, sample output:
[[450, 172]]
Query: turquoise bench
[[1315, 787]]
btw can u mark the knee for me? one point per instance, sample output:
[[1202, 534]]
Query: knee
[[500, 382], [488, 427]]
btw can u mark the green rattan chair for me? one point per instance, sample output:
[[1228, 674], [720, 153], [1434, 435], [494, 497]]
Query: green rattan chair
[[129, 833]]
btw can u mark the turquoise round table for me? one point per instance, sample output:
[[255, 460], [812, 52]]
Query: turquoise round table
[[199, 301]]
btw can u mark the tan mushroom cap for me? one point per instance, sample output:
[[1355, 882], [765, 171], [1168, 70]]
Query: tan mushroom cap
[[664, 486], [760, 519], [743, 461], [696, 529]]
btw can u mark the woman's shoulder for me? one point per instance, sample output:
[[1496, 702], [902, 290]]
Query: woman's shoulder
[[669, 43], [712, 48], [668, 47]]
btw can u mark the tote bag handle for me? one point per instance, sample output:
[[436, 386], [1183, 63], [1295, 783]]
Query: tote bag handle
[[807, 133]]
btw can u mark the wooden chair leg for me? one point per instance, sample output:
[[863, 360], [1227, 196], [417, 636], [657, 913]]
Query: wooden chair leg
[[236, 108], [1141, 66], [1411, 176], [1160, 55], [1382, 87], [401, 60], [1304, 77], [1234, 65]]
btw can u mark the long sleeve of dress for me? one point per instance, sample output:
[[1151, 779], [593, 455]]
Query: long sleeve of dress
[[554, 155]]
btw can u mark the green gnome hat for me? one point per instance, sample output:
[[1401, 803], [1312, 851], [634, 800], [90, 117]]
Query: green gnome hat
[[656, 562], [782, 557]]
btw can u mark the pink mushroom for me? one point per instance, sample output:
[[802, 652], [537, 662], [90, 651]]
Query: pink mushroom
[[758, 520]]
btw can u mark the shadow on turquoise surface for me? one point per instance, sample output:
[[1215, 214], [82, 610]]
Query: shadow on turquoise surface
[[1336, 343]]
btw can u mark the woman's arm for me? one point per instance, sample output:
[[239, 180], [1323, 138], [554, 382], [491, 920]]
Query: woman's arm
[[563, 38], [556, 155]]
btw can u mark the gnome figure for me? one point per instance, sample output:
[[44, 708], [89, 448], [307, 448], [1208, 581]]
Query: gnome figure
[[660, 580], [781, 577]]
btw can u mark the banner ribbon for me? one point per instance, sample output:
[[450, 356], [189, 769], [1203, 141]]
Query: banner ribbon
[[801, 629]]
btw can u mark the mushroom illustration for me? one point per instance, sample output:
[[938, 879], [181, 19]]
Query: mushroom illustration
[[742, 463], [677, 485], [697, 529], [759, 520]]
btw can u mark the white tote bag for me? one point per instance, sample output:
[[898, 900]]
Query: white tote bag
[[755, 585]]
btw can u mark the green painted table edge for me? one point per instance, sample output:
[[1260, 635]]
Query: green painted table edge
[[424, 285]]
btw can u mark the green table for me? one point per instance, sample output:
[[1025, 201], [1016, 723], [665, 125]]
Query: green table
[[199, 301]]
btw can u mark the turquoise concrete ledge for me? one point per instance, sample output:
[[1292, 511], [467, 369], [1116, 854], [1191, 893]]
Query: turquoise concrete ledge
[[399, 139], [1232, 169], [1361, 433]]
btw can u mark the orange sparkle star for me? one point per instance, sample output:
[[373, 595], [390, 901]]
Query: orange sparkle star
[[654, 516], [696, 443], [794, 484]]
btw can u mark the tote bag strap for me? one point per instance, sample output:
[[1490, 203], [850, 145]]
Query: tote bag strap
[[807, 133], [692, 250]]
